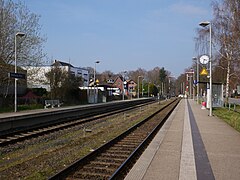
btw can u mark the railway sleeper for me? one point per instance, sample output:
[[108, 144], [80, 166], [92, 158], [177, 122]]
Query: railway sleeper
[[36, 131], [19, 136], [105, 164], [114, 160], [3, 140], [132, 140], [122, 148], [25, 134], [125, 146], [137, 136], [11, 138], [128, 143], [116, 150], [141, 133], [122, 143], [115, 155], [105, 170], [85, 175]]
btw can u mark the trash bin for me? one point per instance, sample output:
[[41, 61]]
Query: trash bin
[[204, 105]]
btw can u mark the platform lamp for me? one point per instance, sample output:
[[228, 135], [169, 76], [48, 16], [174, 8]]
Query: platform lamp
[[204, 24], [138, 85], [123, 91], [197, 62], [94, 78], [18, 34]]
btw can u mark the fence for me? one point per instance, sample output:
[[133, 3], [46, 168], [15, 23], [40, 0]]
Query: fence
[[233, 107]]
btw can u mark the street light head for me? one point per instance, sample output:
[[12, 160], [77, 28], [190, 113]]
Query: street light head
[[20, 34], [204, 23], [194, 58], [97, 62]]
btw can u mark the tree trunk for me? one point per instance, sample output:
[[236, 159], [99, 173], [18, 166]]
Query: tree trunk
[[228, 77]]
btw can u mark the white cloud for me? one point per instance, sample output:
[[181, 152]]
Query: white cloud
[[188, 9]]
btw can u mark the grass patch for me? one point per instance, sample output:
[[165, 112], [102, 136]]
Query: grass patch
[[231, 117], [30, 107], [21, 108], [6, 109]]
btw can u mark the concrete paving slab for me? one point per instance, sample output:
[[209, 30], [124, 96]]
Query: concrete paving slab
[[216, 148], [222, 144], [187, 163], [163, 162]]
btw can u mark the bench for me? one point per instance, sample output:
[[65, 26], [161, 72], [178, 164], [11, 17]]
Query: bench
[[52, 103]]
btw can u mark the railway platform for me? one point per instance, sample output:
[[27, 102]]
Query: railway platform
[[191, 145]]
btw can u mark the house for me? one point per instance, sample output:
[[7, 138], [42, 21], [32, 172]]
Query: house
[[132, 87], [118, 83], [129, 86]]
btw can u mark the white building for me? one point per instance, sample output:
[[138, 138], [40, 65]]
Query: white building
[[77, 71], [36, 75], [81, 72]]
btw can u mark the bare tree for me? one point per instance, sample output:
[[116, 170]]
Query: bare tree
[[135, 74], [104, 76], [57, 78], [153, 75], [227, 37], [226, 41], [16, 17]]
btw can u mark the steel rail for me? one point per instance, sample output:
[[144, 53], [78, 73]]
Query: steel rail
[[122, 168], [36, 119], [23, 135]]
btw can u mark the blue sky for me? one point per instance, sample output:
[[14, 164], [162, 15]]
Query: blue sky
[[122, 34]]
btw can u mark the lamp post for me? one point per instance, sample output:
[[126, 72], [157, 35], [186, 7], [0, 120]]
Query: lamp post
[[18, 34], [189, 76], [138, 85], [123, 91], [191, 84], [170, 82], [94, 79], [183, 88], [196, 59], [142, 87], [204, 24], [148, 88]]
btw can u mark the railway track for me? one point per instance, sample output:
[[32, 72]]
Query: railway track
[[18, 136], [112, 160]]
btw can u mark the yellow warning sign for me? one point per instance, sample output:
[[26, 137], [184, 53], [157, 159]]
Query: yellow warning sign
[[97, 81], [204, 72]]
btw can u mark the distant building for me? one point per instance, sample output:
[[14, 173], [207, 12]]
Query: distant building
[[81, 72], [110, 81], [76, 71], [36, 75], [132, 87], [118, 83], [129, 86]]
